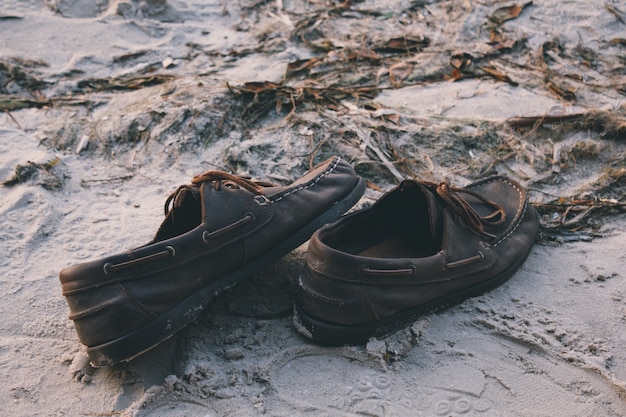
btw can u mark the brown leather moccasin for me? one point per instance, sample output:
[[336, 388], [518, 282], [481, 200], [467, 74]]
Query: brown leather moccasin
[[420, 247], [218, 230]]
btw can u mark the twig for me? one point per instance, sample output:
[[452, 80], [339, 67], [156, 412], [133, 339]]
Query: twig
[[525, 121], [13, 118], [109, 180], [581, 203], [615, 12], [379, 153]]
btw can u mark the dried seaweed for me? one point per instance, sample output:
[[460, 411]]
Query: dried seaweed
[[399, 72], [129, 56], [562, 89], [15, 77], [11, 103], [306, 29], [336, 59], [617, 41], [123, 83], [503, 14], [612, 183], [609, 125], [343, 70], [466, 65], [116, 180], [261, 97], [548, 51], [570, 216], [580, 217], [403, 45], [615, 12], [41, 174], [352, 62]]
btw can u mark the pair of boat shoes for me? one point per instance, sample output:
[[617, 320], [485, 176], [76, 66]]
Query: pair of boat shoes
[[420, 246]]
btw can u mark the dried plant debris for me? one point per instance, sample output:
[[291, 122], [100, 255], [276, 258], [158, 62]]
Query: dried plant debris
[[17, 78], [340, 55], [609, 125], [10, 102], [123, 83], [619, 14], [617, 41], [350, 58], [113, 181], [505, 13], [333, 61], [339, 64], [573, 219], [19, 88], [612, 182], [549, 52], [501, 42], [262, 97], [581, 217], [306, 29], [466, 66], [41, 174], [561, 89], [403, 44]]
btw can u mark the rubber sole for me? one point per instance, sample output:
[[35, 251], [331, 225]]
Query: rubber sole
[[330, 334], [133, 344]]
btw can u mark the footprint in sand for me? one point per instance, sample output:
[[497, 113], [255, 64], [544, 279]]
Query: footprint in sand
[[345, 385], [494, 377]]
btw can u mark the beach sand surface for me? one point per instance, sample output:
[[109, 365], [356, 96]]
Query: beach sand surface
[[109, 105]]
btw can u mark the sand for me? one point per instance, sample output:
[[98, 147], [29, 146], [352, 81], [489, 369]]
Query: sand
[[110, 105]]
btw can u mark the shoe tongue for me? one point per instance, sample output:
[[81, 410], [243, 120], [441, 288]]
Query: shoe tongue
[[436, 217], [430, 210], [185, 214]]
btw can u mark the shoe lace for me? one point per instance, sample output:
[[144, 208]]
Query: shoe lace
[[452, 197], [220, 179]]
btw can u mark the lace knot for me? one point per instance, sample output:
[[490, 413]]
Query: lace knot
[[453, 199], [255, 187], [220, 179]]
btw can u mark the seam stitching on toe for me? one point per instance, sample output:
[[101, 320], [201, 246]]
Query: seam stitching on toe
[[522, 207], [328, 171]]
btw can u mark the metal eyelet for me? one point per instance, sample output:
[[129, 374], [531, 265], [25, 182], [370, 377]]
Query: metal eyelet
[[262, 200]]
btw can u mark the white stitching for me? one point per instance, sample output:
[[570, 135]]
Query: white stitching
[[310, 185], [515, 228], [523, 203]]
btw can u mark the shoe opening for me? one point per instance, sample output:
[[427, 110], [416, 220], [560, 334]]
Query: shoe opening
[[396, 227], [185, 214]]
